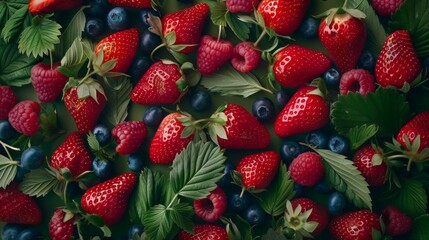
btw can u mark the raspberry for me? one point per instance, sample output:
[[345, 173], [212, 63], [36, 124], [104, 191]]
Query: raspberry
[[397, 222], [306, 169], [245, 57], [212, 54], [236, 6], [357, 80], [319, 213], [386, 7], [7, 101], [212, 207], [58, 229], [129, 136], [47, 81], [24, 117]]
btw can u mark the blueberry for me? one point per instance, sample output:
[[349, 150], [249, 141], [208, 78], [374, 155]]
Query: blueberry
[[30, 233], [289, 150], [282, 98], [144, 15], [140, 65], [32, 157], [322, 186], [102, 134], [239, 203], [299, 190], [254, 215], [94, 27], [117, 19], [20, 174], [367, 60], [338, 144], [98, 8], [135, 163], [7, 132], [149, 41], [11, 231], [263, 109], [336, 203], [135, 229], [318, 139], [309, 27], [201, 101], [102, 169], [153, 116], [226, 180], [332, 77]]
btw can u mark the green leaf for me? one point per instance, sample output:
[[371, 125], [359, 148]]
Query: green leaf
[[8, 8], [197, 169], [157, 223], [239, 28], [358, 135], [74, 58], [95, 220], [387, 109], [8, 169], [39, 38], [414, 17], [14, 25], [411, 198], [181, 214], [73, 30], [38, 182], [228, 82], [237, 228], [272, 235], [218, 14], [93, 143], [273, 201], [118, 92], [420, 228]]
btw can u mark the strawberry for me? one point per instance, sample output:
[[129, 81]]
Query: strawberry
[[60, 227], [319, 214], [307, 169], [258, 170], [7, 101], [121, 46], [354, 225], [418, 126], [48, 6], [168, 140], [212, 54], [344, 38], [283, 16], [47, 81], [306, 111], [239, 129], [162, 83], [24, 117], [132, 3], [291, 65], [397, 223], [398, 62], [205, 232], [16, 207], [370, 162], [72, 154], [212, 207], [187, 25], [244, 6], [109, 199], [129, 136], [386, 7]]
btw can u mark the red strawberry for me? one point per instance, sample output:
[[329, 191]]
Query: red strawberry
[[291, 65], [121, 46], [306, 111], [47, 81], [162, 83], [386, 7], [16, 207], [245, 57], [7, 101], [129, 136], [211, 208], [398, 62], [109, 199], [344, 38], [283, 16], [132, 3], [258, 170], [357, 80], [48, 6], [72, 154], [307, 169], [212, 54], [187, 24], [24, 117], [59, 229], [168, 141], [397, 223], [237, 6], [319, 214], [354, 225], [370, 162], [241, 129], [418, 126], [205, 232]]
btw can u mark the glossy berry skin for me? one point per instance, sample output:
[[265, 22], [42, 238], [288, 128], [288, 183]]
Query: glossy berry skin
[[336, 203], [307, 169], [319, 213], [212, 54], [239, 203], [153, 116], [309, 27], [245, 57], [322, 186], [332, 77], [254, 215], [201, 101], [226, 179], [354, 225], [203, 232], [211, 208], [11, 231], [282, 98], [289, 150], [98, 8], [7, 132], [135, 162], [60, 229], [47, 81], [317, 138], [24, 117], [20, 173], [416, 126], [397, 222], [135, 229], [30, 233], [8, 100], [139, 66], [129, 136], [117, 19], [357, 80], [259, 169], [149, 41], [241, 6], [144, 15], [48, 6], [386, 7], [367, 60], [32, 157], [102, 134], [263, 109], [374, 174], [102, 168], [132, 4], [338, 144], [94, 27]]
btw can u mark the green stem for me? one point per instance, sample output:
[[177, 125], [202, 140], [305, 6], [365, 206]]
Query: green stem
[[6, 146], [156, 49], [219, 34], [172, 200], [65, 193], [88, 75], [51, 59], [260, 37], [265, 90]]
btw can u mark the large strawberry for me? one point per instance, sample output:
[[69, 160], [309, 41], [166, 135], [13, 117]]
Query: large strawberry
[[283, 16], [121, 46], [162, 83], [418, 126], [60, 226], [398, 62], [307, 110], [204, 232], [48, 6], [291, 65], [109, 199], [369, 161], [8, 100], [72, 154], [47, 81], [132, 3], [16, 207], [355, 225]]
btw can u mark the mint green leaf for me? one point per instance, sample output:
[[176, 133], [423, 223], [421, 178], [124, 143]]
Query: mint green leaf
[[411, 198], [72, 31], [157, 222], [239, 28], [8, 8], [38, 183], [273, 201], [386, 108], [118, 92], [93, 143], [197, 169], [8, 171], [14, 25], [218, 14], [420, 229], [75, 57], [358, 135], [413, 16], [181, 214]]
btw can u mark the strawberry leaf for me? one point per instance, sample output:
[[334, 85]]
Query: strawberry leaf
[[218, 14], [118, 91], [38, 183], [420, 228], [73, 30], [239, 28], [411, 198], [8, 8], [21, 18], [181, 214], [237, 228], [358, 135], [8, 169], [73, 59], [157, 222]]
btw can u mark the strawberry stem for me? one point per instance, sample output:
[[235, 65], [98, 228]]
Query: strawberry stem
[[6, 147], [51, 59], [219, 34], [261, 37], [65, 193], [156, 49], [172, 201]]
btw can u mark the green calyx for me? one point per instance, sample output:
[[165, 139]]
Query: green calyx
[[412, 151], [345, 9], [321, 89]]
